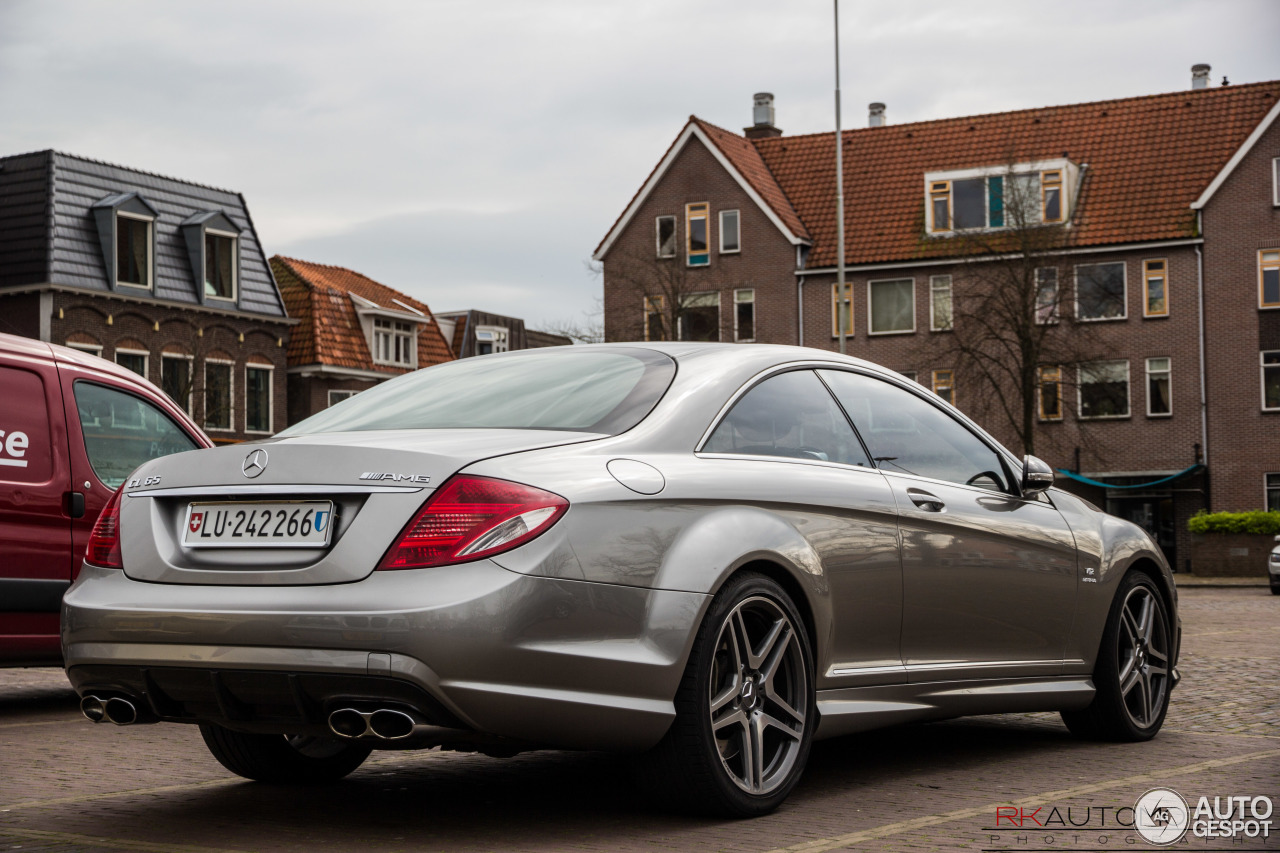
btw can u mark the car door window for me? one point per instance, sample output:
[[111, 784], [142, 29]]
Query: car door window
[[122, 431], [908, 434], [792, 415]]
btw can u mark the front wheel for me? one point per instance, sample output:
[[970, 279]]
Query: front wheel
[[1133, 674], [283, 759], [745, 711]]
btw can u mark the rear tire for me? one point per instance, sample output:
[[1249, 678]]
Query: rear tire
[[283, 759], [745, 709], [1132, 675], [1275, 589]]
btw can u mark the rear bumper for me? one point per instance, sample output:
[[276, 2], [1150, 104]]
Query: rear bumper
[[560, 663]]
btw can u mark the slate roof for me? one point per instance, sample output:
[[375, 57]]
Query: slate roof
[[330, 333], [48, 233]]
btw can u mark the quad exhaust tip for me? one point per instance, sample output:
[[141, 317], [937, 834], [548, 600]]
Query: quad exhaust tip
[[122, 712], [382, 724]]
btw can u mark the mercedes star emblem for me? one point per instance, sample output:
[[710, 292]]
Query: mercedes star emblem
[[255, 463]]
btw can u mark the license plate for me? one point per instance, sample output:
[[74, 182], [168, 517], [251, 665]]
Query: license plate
[[265, 524]]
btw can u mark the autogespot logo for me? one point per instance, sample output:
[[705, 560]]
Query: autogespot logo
[[1161, 816]]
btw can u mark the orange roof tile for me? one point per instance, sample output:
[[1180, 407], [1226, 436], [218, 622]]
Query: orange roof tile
[[746, 159], [329, 333]]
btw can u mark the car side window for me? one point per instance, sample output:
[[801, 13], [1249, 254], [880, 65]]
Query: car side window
[[122, 431], [793, 415], [911, 435]]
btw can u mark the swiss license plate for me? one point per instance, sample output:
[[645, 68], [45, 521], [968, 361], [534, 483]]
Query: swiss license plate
[[264, 524]]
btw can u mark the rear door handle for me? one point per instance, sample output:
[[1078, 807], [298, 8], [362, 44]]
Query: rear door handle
[[75, 504], [926, 501]]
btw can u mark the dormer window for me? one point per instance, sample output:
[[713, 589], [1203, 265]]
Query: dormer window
[[987, 199], [133, 250], [213, 250], [490, 339], [392, 342], [127, 237], [219, 265]]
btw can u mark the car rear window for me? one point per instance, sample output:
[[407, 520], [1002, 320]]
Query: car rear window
[[605, 391]]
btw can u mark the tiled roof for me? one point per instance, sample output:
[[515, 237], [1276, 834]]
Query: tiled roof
[[329, 333], [746, 159], [1148, 159]]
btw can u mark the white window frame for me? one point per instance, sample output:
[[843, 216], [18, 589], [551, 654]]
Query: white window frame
[[1068, 170], [151, 244], [91, 349], [190, 360], [346, 394], [1053, 317], [1275, 181], [235, 266], [739, 301], [1262, 377], [675, 235], [913, 375], [1124, 298], [391, 332], [146, 360], [1168, 372], [499, 336], [737, 215], [1266, 486], [271, 402], [707, 296], [231, 395], [934, 288], [1128, 384], [871, 308]]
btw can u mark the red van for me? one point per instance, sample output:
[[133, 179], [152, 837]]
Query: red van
[[72, 427]]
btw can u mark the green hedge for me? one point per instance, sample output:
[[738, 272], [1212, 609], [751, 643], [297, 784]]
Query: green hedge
[[1235, 522]]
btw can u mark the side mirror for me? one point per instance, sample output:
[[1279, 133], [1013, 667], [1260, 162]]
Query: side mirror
[[1037, 476]]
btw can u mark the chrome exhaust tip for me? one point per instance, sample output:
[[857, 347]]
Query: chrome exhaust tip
[[91, 707], [120, 711], [391, 725], [348, 723]]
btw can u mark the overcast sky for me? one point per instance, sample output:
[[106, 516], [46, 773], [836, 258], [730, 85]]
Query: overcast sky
[[473, 154]]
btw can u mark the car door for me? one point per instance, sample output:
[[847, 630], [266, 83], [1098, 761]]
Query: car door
[[788, 447], [988, 576], [35, 527]]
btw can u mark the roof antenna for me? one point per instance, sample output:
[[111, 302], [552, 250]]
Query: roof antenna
[[1225, 81]]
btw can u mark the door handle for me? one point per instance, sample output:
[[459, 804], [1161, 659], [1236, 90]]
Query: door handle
[[75, 504], [926, 501]]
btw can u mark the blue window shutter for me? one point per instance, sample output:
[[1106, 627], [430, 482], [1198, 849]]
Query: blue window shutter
[[995, 202]]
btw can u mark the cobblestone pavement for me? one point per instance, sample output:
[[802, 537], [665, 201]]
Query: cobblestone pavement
[[69, 785]]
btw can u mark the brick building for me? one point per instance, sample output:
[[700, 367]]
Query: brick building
[[163, 276], [475, 332], [1166, 216], [352, 333]]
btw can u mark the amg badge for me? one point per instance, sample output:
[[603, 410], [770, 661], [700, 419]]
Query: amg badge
[[396, 478]]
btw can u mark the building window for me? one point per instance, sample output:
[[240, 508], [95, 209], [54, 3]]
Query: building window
[[217, 395], [175, 379], [655, 329], [1275, 181], [1270, 380], [666, 236], [133, 250], [940, 205], [1100, 292], [336, 397], [697, 250], [1269, 278], [843, 310], [1051, 196], [997, 198], [392, 342], [730, 239], [700, 317], [1104, 390], [1272, 485], [1046, 295], [91, 349], [891, 306], [1050, 385], [944, 385], [1159, 389], [1155, 283], [257, 399], [940, 303], [133, 359], [219, 265], [491, 339], [744, 315], [908, 374]]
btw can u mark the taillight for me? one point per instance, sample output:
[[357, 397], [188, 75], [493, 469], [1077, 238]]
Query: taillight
[[104, 541], [469, 518]]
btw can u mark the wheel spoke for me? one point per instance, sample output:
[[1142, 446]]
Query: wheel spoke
[[1129, 680], [742, 642], [755, 734], [770, 721], [1145, 694], [1157, 655], [724, 697], [1147, 621], [778, 641], [1130, 625], [735, 717]]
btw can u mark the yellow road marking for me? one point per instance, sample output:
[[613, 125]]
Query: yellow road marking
[[820, 845], [118, 843]]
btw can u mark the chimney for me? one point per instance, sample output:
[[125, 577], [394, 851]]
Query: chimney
[[875, 116], [762, 115], [1200, 76]]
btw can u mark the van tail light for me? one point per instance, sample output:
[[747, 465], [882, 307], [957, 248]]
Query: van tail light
[[470, 518], [104, 541]]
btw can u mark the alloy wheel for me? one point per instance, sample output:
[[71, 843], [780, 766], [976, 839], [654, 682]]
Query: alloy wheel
[[1142, 655]]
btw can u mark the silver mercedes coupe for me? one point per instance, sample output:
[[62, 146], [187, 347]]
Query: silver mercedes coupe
[[704, 555]]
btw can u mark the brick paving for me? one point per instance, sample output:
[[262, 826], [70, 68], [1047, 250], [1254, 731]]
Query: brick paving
[[68, 785]]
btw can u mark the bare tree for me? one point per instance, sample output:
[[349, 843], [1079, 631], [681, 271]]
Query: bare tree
[[1008, 314], [588, 330], [662, 291]]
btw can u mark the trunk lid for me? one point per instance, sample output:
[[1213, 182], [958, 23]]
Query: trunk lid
[[374, 480]]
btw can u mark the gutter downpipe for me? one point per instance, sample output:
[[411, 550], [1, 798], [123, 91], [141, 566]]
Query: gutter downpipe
[[1204, 406], [799, 302]]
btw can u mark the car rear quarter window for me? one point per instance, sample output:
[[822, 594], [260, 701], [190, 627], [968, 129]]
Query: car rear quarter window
[[604, 391], [25, 454], [122, 431], [790, 415]]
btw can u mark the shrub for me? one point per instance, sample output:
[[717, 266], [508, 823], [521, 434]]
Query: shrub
[[1258, 521]]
